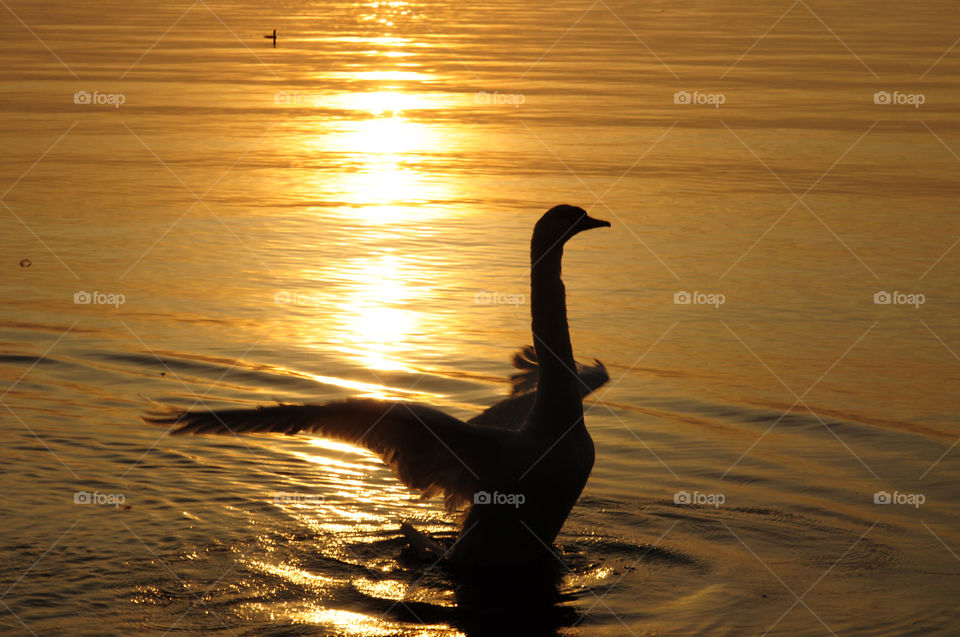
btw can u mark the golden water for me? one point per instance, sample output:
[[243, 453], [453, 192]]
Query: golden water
[[349, 213]]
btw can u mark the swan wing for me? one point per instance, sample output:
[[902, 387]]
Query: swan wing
[[426, 448], [512, 412], [525, 379]]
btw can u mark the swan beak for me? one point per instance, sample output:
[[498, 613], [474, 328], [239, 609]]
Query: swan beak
[[588, 223]]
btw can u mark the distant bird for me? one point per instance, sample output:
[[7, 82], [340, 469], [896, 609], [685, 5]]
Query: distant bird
[[519, 466], [272, 37]]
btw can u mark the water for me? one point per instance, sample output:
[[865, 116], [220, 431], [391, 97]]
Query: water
[[333, 216]]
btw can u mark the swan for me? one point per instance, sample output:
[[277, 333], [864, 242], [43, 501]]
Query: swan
[[518, 467], [272, 37]]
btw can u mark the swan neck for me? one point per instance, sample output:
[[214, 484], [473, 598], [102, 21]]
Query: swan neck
[[558, 383]]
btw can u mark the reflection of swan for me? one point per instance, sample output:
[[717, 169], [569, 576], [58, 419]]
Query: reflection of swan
[[520, 465]]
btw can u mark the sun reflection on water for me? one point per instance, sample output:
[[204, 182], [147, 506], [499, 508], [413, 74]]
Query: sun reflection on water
[[349, 623], [386, 101], [292, 573], [373, 318], [384, 195]]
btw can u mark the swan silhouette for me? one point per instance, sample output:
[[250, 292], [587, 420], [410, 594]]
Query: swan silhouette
[[519, 466], [272, 37]]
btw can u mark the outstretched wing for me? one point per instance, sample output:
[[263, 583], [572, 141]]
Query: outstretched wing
[[512, 412], [592, 377], [426, 448]]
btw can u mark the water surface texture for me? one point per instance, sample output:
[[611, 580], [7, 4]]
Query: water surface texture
[[195, 217]]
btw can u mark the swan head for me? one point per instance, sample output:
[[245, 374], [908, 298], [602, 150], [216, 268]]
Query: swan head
[[559, 224]]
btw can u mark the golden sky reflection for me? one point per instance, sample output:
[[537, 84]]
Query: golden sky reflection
[[350, 623], [380, 101], [372, 298], [385, 13], [340, 622], [361, 491], [367, 310], [369, 302], [370, 316]]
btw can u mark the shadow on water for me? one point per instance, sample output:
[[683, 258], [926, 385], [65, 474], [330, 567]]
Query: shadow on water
[[523, 600]]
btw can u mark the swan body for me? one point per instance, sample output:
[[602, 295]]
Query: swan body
[[518, 467]]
